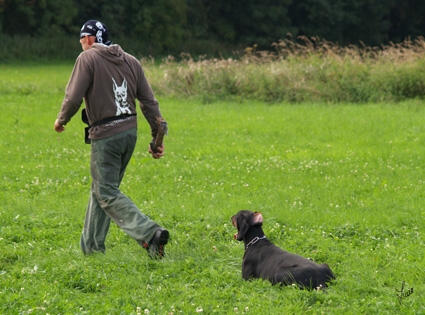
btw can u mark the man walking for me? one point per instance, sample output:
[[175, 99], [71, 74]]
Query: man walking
[[110, 81]]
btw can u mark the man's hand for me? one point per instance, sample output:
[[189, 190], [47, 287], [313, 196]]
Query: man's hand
[[59, 127], [159, 152]]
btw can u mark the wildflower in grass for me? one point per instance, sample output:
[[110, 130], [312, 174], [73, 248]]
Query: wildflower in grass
[[199, 309]]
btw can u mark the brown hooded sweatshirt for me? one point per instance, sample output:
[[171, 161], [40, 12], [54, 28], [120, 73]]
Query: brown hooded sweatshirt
[[110, 81]]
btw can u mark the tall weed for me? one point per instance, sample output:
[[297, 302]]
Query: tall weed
[[313, 70]]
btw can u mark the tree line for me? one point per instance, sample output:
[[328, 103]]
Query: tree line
[[162, 27]]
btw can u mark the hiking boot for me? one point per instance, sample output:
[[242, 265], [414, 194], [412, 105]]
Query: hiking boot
[[156, 245]]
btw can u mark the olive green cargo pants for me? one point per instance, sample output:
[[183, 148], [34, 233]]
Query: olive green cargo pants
[[109, 159]]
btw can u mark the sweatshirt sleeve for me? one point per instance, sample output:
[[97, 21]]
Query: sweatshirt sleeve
[[75, 90], [148, 103]]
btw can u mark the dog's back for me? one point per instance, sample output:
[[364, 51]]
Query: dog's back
[[270, 262]]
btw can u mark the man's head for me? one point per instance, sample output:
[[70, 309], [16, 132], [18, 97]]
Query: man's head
[[94, 31]]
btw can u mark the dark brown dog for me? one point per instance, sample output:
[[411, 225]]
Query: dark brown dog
[[263, 259]]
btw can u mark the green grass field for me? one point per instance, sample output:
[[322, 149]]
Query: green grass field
[[338, 183]]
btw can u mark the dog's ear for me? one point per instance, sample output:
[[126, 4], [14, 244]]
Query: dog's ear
[[256, 219], [242, 226]]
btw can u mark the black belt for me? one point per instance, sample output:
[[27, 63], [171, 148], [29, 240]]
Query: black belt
[[110, 119], [98, 123]]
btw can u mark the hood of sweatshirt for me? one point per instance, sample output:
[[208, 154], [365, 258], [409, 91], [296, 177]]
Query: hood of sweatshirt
[[113, 53]]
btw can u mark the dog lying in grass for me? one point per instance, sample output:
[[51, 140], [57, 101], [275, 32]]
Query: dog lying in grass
[[263, 259]]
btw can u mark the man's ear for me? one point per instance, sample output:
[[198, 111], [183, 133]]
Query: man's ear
[[91, 40]]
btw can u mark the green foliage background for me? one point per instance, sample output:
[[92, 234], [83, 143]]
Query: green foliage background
[[169, 27]]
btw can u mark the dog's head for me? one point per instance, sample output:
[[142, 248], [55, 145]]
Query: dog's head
[[245, 219]]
